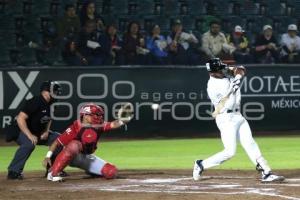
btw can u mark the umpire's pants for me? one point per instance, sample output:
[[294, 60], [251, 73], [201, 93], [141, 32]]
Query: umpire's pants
[[25, 150]]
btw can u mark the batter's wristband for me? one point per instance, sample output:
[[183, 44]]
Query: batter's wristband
[[49, 154]]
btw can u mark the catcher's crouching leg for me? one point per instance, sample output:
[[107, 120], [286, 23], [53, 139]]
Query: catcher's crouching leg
[[109, 171], [66, 156]]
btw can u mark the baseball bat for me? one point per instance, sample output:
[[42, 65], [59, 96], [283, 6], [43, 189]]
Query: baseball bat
[[221, 104]]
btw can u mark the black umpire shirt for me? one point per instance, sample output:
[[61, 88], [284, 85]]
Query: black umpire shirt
[[38, 111]]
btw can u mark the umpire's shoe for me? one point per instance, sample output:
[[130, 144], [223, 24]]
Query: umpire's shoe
[[270, 178], [14, 175], [198, 169], [54, 178]]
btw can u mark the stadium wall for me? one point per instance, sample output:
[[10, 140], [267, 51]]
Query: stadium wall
[[271, 96]]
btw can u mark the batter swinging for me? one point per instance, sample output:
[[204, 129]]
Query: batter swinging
[[225, 82]]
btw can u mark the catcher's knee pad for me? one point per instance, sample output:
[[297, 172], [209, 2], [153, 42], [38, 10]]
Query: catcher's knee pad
[[109, 171], [66, 156], [73, 148]]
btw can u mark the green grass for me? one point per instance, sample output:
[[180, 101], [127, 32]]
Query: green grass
[[281, 153]]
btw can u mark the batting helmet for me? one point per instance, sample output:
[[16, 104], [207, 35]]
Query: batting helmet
[[95, 111], [215, 64]]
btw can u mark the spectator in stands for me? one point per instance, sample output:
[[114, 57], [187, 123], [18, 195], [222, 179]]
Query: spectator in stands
[[157, 44], [88, 12], [47, 47], [72, 56], [290, 45], [214, 43], [88, 45], [238, 40], [179, 43], [134, 46], [266, 46], [69, 25], [112, 46]]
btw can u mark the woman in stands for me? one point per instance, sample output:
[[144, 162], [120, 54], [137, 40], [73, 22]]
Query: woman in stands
[[134, 47], [112, 46], [88, 12], [157, 44]]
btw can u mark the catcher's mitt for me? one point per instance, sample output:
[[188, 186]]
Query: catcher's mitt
[[125, 113]]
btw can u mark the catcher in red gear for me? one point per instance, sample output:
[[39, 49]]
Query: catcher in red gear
[[80, 142]]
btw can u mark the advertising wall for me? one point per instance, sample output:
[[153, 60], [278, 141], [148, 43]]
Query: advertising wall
[[270, 96]]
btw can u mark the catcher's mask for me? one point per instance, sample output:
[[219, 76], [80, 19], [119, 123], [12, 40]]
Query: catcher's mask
[[93, 110], [215, 65]]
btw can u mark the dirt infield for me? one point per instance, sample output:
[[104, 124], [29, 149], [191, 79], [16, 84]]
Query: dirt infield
[[145, 185]]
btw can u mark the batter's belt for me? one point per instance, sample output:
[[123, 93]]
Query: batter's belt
[[232, 111]]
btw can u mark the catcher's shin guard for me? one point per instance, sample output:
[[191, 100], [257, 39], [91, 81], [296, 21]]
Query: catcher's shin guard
[[109, 171], [66, 156]]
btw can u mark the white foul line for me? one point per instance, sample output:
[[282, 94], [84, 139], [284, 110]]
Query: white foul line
[[171, 188]]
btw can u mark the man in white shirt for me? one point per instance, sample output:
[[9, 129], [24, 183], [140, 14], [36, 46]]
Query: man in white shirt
[[290, 44], [214, 42], [225, 82]]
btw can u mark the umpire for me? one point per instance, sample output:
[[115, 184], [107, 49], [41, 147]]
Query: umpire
[[33, 123]]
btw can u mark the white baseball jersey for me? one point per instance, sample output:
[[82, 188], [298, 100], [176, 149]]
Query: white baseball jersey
[[292, 43], [232, 125], [217, 88]]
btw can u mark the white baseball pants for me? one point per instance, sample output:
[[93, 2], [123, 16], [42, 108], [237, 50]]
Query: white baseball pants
[[234, 127]]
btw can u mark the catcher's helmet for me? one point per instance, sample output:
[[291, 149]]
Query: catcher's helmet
[[95, 111], [215, 64]]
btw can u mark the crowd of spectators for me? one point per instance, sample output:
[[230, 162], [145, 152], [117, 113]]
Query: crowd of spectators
[[85, 39]]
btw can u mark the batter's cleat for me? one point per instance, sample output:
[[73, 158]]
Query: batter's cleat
[[14, 176], [54, 178], [270, 178], [198, 169]]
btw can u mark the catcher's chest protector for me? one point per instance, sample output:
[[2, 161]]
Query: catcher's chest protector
[[88, 138]]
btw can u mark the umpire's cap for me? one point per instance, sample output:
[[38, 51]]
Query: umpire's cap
[[51, 86], [215, 64]]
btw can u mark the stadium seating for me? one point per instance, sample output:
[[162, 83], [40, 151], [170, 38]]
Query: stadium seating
[[146, 7], [34, 15], [119, 7]]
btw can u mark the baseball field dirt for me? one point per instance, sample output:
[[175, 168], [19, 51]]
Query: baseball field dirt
[[154, 184]]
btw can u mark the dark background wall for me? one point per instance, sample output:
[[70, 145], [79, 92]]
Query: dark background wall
[[270, 96]]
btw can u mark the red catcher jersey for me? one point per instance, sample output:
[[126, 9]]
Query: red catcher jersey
[[73, 130]]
